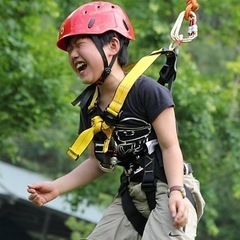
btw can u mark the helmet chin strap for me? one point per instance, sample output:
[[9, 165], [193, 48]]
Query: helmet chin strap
[[107, 67]]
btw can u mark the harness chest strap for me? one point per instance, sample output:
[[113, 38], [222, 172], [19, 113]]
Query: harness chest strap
[[85, 138], [115, 106]]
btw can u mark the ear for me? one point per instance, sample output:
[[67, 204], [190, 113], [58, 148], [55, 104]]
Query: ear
[[114, 46]]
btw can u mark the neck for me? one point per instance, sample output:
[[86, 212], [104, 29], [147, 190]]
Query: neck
[[108, 88]]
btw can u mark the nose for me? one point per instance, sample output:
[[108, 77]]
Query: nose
[[74, 53]]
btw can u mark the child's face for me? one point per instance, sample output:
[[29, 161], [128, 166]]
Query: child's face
[[85, 59]]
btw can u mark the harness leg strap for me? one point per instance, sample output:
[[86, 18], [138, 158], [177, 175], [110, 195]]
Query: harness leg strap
[[149, 182], [134, 216], [149, 187]]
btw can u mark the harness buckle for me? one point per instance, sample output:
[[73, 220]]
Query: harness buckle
[[148, 182], [109, 118]]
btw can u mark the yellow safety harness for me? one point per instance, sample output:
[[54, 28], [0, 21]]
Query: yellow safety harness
[[97, 123]]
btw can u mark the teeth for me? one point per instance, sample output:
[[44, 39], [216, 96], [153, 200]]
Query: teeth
[[81, 66]]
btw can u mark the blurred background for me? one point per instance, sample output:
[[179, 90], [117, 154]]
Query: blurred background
[[38, 122]]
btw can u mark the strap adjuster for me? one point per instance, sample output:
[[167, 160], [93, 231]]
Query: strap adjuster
[[109, 118], [148, 186], [149, 182]]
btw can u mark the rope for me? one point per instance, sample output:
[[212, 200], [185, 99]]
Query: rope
[[192, 6]]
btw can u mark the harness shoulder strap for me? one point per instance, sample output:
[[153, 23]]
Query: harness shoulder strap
[[123, 89], [84, 96]]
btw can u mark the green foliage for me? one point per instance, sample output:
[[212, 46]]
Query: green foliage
[[29, 92], [37, 85], [80, 229], [33, 73]]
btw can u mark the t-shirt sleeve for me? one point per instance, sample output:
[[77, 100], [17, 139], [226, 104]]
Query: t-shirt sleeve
[[155, 98]]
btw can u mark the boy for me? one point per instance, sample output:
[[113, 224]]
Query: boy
[[142, 135]]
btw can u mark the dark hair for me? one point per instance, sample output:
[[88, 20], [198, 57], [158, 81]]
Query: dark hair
[[106, 38]]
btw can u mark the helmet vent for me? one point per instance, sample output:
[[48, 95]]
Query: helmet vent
[[91, 22], [125, 25]]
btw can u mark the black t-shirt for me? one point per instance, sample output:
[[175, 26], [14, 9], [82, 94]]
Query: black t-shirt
[[145, 101]]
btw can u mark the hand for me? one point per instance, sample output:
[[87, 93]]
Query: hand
[[42, 192], [178, 208]]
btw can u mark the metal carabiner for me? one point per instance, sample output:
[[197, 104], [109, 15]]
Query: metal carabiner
[[178, 38]]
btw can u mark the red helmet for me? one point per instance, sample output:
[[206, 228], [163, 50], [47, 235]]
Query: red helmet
[[95, 18]]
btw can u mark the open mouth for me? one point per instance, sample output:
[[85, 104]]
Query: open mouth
[[81, 66]]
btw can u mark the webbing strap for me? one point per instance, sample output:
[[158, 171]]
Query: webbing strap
[[149, 181], [86, 137], [92, 104], [134, 216], [123, 89], [115, 106]]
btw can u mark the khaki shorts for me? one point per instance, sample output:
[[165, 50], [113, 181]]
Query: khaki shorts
[[114, 224]]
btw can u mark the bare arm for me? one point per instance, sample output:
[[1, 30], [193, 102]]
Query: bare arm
[[83, 174], [87, 171], [165, 128]]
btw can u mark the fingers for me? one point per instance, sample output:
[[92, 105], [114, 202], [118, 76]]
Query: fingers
[[34, 186], [179, 211], [180, 219], [36, 199], [34, 196]]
